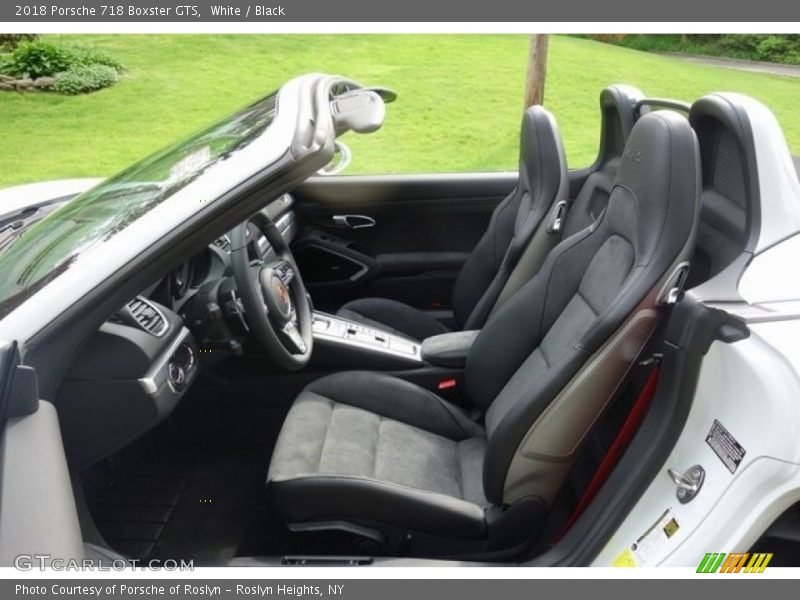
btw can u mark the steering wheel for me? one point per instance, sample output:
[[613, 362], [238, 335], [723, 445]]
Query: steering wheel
[[275, 302]]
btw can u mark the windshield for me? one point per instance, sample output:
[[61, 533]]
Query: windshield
[[46, 249]]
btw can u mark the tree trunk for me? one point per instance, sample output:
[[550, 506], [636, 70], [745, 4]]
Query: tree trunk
[[537, 70]]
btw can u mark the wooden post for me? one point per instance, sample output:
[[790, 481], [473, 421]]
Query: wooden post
[[537, 70]]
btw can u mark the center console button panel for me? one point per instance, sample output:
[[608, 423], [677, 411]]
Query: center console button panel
[[362, 338]]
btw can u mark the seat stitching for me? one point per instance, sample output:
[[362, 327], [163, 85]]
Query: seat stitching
[[586, 301], [376, 446], [460, 470], [494, 229], [327, 429], [444, 407], [638, 210], [579, 237], [545, 360]]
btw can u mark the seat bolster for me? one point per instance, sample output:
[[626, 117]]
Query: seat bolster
[[393, 317], [396, 399], [297, 498]]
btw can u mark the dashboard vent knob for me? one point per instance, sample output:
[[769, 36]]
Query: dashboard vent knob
[[223, 244], [147, 316]]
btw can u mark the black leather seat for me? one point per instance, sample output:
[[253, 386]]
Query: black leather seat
[[373, 451], [542, 182]]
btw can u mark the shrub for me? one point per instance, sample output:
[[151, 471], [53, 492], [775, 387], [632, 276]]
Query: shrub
[[39, 59], [777, 48], [5, 64], [82, 79], [75, 69], [9, 41], [86, 55], [771, 48]]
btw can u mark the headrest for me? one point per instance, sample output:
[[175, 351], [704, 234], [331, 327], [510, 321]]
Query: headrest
[[618, 113], [727, 154], [543, 164], [658, 186]]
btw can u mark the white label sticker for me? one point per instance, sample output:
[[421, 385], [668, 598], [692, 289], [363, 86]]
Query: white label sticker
[[649, 545]]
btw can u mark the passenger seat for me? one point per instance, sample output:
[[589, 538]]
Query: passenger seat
[[525, 226], [542, 184], [618, 116]]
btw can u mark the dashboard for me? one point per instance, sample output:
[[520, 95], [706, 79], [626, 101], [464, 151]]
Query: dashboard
[[135, 369], [213, 264]]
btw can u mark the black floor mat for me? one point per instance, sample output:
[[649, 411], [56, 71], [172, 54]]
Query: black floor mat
[[199, 504], [194, 487]]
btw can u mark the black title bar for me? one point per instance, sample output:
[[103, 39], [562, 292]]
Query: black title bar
[[205, 11]]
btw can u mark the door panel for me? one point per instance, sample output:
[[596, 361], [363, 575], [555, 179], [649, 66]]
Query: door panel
[[37, 507], [404, 237]]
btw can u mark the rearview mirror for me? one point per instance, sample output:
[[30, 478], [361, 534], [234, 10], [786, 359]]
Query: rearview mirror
[[361, 111]]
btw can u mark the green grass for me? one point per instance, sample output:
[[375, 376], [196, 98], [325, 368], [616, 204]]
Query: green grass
[[460, 97]]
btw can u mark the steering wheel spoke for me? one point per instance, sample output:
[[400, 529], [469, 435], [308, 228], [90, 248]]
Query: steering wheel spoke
[[292, 334], [255, 271]]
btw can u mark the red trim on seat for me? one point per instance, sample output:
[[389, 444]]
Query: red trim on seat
[[624, 436]]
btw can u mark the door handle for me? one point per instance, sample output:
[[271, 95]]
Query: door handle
[[354, 221]]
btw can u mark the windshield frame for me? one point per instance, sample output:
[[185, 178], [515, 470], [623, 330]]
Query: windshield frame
[[299, 142], [45, 248]]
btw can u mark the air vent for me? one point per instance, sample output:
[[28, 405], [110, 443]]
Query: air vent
[[147, 316], [223, 243]]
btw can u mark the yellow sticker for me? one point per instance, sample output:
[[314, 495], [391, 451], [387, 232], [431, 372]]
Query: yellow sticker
[[671, 528], [625, 559]]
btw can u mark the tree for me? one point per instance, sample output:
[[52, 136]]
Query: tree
[[537, 70]]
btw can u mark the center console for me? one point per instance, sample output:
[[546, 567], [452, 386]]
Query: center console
[[339, 342], [436, 364]]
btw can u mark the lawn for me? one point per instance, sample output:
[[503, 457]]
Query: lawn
[[460, 97]]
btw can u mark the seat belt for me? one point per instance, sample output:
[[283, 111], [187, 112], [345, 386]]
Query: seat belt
[[617, 447]]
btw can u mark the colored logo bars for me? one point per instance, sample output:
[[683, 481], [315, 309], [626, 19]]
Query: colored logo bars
[[719, 562]]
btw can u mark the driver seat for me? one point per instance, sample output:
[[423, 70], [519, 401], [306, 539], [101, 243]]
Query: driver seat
[[543, 182], [387, 459]]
